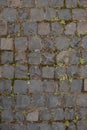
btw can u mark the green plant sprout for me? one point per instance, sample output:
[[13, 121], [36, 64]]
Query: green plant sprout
[[81, 61]]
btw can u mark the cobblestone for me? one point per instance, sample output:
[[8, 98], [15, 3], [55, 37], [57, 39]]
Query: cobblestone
[[43, 64]]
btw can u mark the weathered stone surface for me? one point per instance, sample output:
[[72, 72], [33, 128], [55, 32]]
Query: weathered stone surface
[[20, 58], [37, 14], [30, 28], [67, 100], [3, 2], [83, 71], [48, 72], [6, 44], [19, 116], [83, 3], [64, 86], [59, 72], [48, 58], [41, 3], [57, 28], [56, 3], [45, 114], [35, 58], [43, 28], [84, 42], [48, 44], [70, 29], [49, 14], [23, 14], [64, 14], [22, 102], [71, 3], [58, 126], [7, 102], [28, 3], [63, 57], [69, 114], [54, 101], [59, 114], [14, 3], [85, 85], [76, 85], [39, 100], [49, 86], [35, 86], [5, 86], [82, 100], [82, 28], [3, 27], [33, 116], [21, 71], [44, 126], [35, 72], [21, 43], [62, 42], [9, 14], [35, 43], [79, 14], [7, 57], [32, 126], [7, 71], [7, 115], [82, 125], [20, 87]]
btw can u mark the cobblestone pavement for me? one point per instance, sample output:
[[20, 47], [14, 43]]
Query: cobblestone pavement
[[43, 64]]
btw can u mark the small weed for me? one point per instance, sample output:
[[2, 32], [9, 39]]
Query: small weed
[[55, 18], [24, 113], [56, 94], [59, 63], [70, 79], [18, 34], [81, 61], [76, 119], [67, 123], [62, 22]]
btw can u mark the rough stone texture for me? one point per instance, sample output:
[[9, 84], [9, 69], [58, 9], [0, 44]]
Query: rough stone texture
[[7, 57], [30, 28], [33, 116], [79, 14], [64, 14], [85, 85], [35, 58], [56, 28], [21, 43], [9, 14], [5, 86], [48, 72], [82, 28], [82, 100], [76, 85], [43, 28], [3, 27], [71, 3], [20, 87], [62, 43], [56, 3], [7, 44], [70, 29], [43, 64], [35, 43], [14, 3], [37, 15]]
